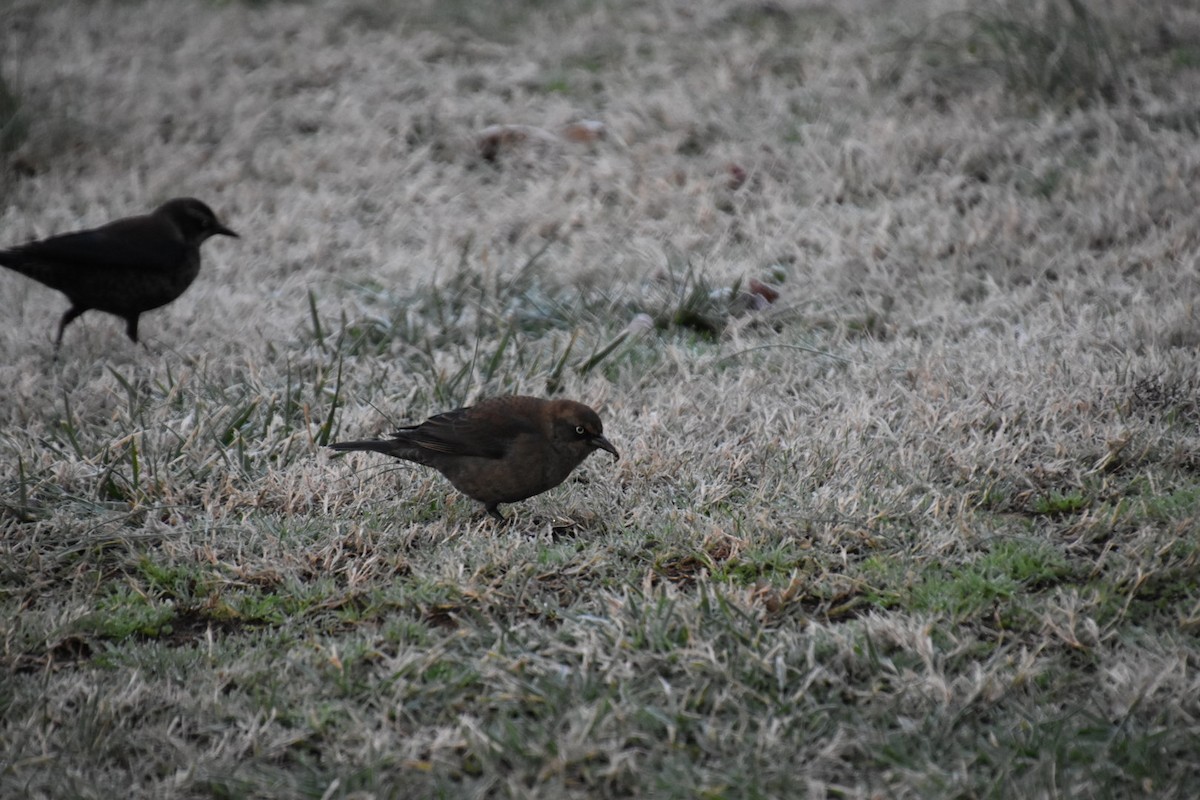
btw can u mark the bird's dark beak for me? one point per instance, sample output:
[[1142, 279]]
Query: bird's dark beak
[[222, 230], [600, 443]]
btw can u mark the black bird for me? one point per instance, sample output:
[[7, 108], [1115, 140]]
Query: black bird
[[500, 450], [125, 267]]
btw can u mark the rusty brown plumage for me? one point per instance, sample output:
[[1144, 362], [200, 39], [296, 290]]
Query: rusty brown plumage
[[500, 450]]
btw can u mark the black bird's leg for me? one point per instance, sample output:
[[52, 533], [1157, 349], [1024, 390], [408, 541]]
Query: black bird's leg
[[131, 327], [67, 319], [494, 512]]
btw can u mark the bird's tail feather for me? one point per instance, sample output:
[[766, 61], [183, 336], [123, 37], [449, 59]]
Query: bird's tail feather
[[377, 446], [12, 261]]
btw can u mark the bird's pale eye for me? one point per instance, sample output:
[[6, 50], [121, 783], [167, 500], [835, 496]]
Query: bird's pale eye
[[579, 430]]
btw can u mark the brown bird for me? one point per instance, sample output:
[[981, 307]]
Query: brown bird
[[125, 267], [501, 450]]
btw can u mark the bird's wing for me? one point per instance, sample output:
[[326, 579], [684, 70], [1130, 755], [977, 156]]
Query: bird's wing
[[132, 244], [483, 431]]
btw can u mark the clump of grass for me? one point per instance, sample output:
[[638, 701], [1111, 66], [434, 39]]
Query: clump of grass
[[1054, 49], [685, 298], [689, 300], [466, 307], [1175, 398], [500, 329], [476, 329]]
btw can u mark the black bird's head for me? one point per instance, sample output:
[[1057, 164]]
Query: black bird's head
[[194, 220]]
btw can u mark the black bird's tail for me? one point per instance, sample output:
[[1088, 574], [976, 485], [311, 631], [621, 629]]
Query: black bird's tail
[[14, 261], [19, 260], [376, 446]]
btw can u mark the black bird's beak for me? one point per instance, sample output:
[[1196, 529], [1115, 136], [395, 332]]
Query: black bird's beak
[[222, 230], [600, 443]]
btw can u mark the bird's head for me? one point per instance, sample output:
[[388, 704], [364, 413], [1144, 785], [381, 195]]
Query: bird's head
[[580, 427], [194, 220]]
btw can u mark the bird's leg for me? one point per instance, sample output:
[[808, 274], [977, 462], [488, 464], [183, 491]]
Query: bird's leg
[[494, 512], [131, 328], [67, 319]]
